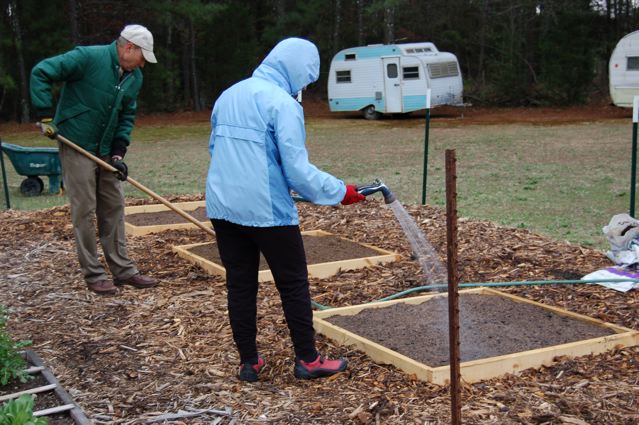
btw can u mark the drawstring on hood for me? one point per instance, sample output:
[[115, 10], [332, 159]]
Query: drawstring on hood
[[292, 64]]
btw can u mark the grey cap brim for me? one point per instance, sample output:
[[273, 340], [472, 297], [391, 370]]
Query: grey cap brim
[[149, 56]]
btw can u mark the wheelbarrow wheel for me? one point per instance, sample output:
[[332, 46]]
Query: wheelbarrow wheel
[[31, 186]]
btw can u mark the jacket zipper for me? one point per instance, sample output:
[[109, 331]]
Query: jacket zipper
[[113, 106]]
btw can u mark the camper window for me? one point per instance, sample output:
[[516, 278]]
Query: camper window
[[391, 70], [410, 73], [343, 76], [349, 57], [443, 69], [633, 63]]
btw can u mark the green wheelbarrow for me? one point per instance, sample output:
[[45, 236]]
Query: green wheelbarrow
[[33, 163]]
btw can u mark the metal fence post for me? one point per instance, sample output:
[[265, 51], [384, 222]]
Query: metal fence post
[[426, 131], [633, 164], [4, 178], [453, 280]]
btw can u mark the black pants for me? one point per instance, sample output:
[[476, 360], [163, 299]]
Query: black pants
[[283, 248]]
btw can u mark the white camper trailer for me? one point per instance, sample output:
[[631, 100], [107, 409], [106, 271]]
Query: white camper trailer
[[623, 70], [393, 78]]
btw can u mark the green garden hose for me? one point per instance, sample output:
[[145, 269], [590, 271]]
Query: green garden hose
[[488, 284]]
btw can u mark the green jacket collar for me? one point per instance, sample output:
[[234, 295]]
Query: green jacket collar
[[115, 60]]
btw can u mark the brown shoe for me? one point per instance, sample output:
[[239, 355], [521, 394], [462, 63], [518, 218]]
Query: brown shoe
[[138, 281], [102, 287]]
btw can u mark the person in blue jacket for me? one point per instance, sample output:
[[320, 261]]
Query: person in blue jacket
[[258, 156]]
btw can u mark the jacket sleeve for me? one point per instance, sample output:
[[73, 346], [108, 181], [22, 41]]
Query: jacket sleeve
[[303, 177], [213, 123], [69, 66], [126, 119]]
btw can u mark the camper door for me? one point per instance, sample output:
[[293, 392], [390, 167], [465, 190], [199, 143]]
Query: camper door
[[392, 85]]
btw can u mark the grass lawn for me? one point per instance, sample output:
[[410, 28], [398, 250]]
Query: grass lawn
[[565, 181]]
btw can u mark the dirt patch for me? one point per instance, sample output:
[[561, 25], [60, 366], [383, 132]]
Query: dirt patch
[[566, 274], [489, 326], [539, 116], [318, 108], [164, 217], [319, 249]]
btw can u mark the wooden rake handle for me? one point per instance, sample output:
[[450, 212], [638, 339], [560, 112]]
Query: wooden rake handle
[[135, 183]]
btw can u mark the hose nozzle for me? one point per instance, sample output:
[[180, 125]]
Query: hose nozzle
[[378, 186]]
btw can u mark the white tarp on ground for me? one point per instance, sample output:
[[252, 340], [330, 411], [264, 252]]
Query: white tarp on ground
[[615, 273], [623, 235]]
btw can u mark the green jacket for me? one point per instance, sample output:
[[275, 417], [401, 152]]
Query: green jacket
[[96, 109]]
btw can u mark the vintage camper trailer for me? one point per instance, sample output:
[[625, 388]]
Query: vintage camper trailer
[[624, 70], [393, 78]]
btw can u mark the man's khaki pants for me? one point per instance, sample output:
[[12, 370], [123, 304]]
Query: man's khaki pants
[[95, 192]]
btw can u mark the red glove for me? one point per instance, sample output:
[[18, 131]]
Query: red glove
[[352, 195]]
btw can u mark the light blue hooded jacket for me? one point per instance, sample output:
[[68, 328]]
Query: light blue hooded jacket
[[257, 144]]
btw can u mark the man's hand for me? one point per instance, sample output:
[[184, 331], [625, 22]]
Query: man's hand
[[122, 170], [48, 128], [352, 195]]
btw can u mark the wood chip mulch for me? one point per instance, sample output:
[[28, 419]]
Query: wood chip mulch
[[145, 355]]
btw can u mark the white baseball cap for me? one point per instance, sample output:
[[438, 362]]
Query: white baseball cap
[[141, 37]]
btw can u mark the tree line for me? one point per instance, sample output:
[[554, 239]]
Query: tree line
[[511, 52]]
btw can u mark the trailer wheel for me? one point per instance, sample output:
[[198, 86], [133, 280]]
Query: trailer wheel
[[370, 113], [31, 186]]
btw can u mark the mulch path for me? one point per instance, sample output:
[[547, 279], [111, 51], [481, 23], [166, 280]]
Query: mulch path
[[148, 352]]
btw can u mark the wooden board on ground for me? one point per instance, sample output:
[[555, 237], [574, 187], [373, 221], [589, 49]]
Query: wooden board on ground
[[51, 401], [188, 207], [475, 370], [319, 270]]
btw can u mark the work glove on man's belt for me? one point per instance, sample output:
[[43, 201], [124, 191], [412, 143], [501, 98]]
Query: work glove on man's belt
[[48, 128], [122, 170], [352, 195]]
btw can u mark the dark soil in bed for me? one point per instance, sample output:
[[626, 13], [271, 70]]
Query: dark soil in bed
[[489, 326], [43, 400], [319, 249], [164, 217]]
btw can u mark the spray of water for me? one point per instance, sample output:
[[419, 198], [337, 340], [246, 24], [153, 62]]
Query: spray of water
[[434, 271]]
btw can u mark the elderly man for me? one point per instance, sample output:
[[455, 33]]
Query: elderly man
[[96, 110]]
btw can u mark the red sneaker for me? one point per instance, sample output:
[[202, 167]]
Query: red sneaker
[[249, 372], [319, 368]]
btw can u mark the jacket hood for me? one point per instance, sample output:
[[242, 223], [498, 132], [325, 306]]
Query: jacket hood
[[292, 64]]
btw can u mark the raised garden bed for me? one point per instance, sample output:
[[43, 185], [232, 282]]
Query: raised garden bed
[[51, 400], [499, 333], [326, 255], [144, 219]]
